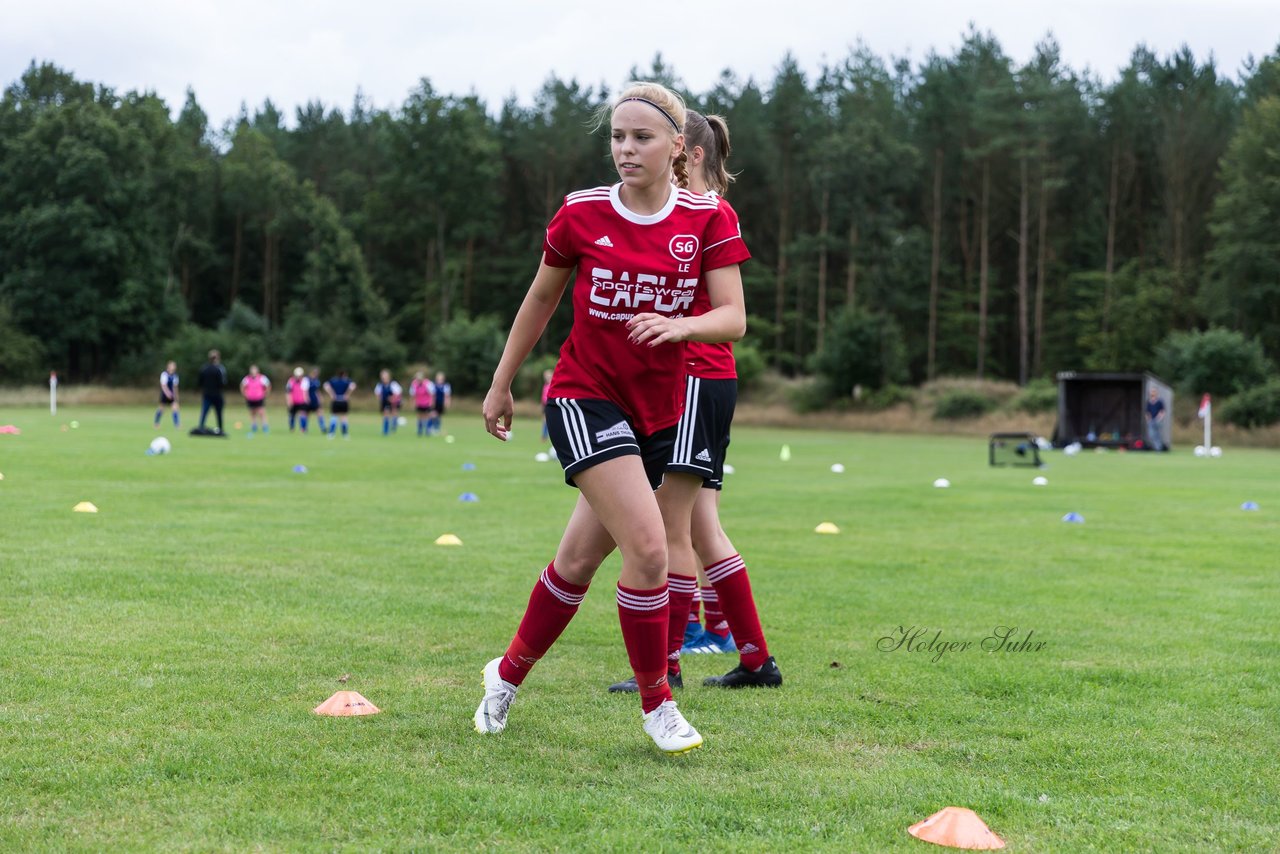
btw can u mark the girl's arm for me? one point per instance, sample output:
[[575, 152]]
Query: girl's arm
[[726, 321], [531, 320]]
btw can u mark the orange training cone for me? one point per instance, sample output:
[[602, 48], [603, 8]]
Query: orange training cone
[[956, 827], [346, 703]]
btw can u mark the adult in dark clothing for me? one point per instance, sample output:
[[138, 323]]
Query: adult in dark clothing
[[1155, 421], [213, 377]]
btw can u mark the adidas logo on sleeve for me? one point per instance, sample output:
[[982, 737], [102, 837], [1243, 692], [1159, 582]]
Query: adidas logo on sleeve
[[704, 456], [605, 241]]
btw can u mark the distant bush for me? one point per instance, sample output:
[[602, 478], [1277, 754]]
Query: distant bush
[[889, 396], [1038, 396], [751, 366], [528, 384], [860, 349], [1256, 407], [301, 336], [189, 346], [241, 319], [1218, 361], [467, 350], [21, 355], [809, 394], [962, 403], [999, 392], [363, 354]]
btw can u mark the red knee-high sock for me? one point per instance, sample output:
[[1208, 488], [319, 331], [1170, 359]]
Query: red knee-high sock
[[713, 616], [681, 588], [644, 617], [695, 607], [552, 605], [734, 589]]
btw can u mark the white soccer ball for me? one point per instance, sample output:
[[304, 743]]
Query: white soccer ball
[[942, 483], [1215, 451], [401, 421], [728, 469], [1040, 481], [542, 457], [160, 445], [1200, 451], [837, 468]]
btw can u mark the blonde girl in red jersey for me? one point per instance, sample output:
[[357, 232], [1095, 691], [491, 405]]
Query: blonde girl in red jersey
[[642, 249]]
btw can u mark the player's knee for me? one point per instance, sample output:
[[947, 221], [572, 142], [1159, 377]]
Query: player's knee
[[577, 567], [647, 558]]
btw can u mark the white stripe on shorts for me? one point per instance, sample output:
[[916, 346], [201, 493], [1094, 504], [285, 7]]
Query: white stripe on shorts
[[683, 451], [575, 425]]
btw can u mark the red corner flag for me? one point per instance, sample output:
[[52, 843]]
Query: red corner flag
[[1204, 407]]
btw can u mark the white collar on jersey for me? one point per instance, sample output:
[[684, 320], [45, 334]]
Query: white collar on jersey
[[642, 219]]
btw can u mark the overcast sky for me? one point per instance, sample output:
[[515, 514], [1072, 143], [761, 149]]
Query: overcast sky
[[233, 51]]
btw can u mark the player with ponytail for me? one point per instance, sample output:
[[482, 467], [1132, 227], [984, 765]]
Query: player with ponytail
[[699, 551]]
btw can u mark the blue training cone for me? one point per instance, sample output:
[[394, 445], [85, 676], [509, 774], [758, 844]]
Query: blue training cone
[[468, 497], [299, 469], [468, 466], [1073, 517], [1249, 505]]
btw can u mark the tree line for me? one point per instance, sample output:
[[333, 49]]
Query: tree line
[[990, 219]]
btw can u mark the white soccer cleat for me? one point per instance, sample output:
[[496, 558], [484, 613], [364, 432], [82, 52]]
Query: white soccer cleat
[[498, 694], [670, 731]]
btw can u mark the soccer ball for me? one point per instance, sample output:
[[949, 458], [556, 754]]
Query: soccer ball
[[160, 445]]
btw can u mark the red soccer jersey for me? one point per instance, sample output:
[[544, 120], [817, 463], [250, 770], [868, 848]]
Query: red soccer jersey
[[712, 361], [630, 263]]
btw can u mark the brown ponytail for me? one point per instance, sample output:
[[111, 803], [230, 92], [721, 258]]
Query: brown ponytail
[[721, 129], [711, 133]]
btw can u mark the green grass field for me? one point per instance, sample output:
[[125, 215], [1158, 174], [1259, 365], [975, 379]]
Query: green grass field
[[159, 660]]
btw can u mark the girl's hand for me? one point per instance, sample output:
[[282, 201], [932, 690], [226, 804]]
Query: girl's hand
[[654, 329], [497, 411]]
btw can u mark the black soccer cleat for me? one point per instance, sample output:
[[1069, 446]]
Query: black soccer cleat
[[628, 686], [768, 676]]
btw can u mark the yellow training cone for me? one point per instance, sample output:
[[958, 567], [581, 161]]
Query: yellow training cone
[[1, 475], [346, 704], [448, 540], [826, 528], [85, 507], [956, 827]]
